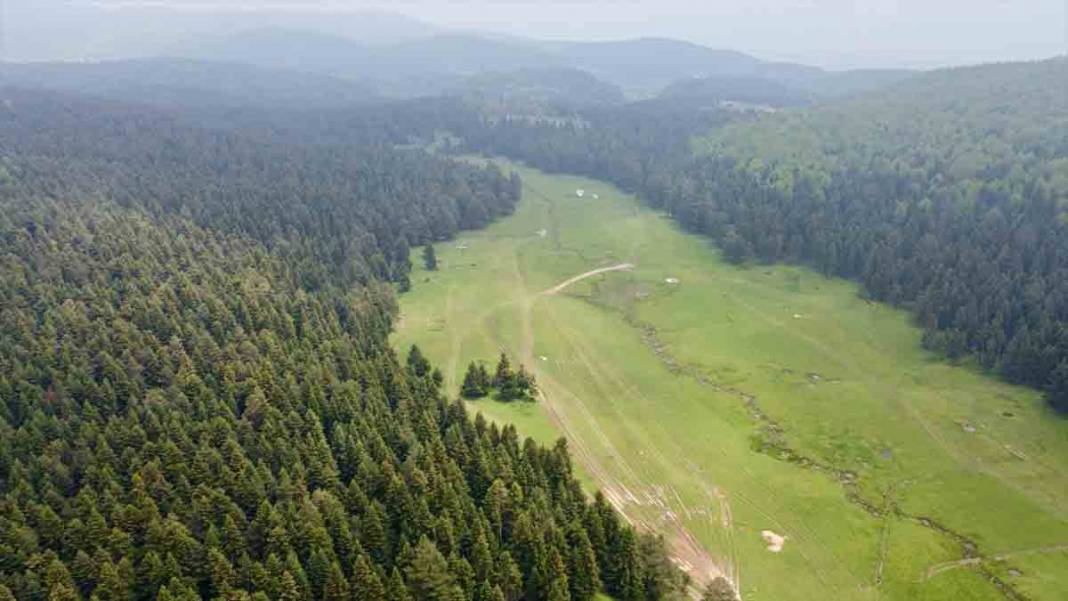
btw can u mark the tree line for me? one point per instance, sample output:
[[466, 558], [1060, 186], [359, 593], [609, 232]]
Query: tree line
[[944, 194], [343, 212], [188, 413]]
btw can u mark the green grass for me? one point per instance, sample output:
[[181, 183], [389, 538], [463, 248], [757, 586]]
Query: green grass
[[649, 383]]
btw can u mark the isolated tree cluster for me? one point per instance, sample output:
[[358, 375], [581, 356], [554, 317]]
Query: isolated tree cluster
[[506, 384]]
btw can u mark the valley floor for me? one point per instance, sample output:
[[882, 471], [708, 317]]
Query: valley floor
[[773, 425]]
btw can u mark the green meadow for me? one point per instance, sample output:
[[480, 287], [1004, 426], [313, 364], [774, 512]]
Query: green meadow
[[772, 424]]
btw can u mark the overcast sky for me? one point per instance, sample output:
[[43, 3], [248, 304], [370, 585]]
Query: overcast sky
[[831, 33]]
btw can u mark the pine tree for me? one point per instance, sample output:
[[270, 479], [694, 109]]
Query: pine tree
[[509, 390], [526, 383], [84, 570], [430, 258], [222, 573], [506, 381], [396, 589], [366, 585], [481, 557], [61, 592], [288, 589], [508, 578], [176, 590], [373, 534], [556, 574], [427, 573], [417, 362], [504, 372], [110, 584], [336, 587], [472, 386], [583, 573], [484, 379], [627, 581]]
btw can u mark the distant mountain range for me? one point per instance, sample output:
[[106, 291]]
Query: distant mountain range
[[42, 30], [364, 55], [641, 67], [189, 83]]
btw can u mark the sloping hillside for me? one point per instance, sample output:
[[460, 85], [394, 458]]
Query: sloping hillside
[[187, 82], [947, 194]]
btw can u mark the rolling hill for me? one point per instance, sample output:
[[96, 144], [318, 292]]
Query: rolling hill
[[533, 91], [172, 82], [429, 64]]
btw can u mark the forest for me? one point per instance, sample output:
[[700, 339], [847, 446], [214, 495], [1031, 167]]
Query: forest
[[197, 395], [946, 194], [198, 398], [299, 199]]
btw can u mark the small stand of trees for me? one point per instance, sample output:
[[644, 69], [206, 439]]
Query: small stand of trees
[[509, 384], [430, 258], [719, 590]]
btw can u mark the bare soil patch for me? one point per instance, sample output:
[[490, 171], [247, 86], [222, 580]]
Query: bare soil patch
[[559, 287], [775, 541]]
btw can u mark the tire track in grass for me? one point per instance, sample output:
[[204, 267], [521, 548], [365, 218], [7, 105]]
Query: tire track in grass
[[797, 528], [952, 565], [685, 542], [780, 451], [775, 446], [561, 286], [687, 551]]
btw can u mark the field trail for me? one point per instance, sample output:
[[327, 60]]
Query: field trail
[[631, 490], [626, 487], [691, 407], [559, 287], [974, 561]]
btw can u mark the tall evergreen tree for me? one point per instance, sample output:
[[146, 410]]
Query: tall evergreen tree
[[366, 584], [430, 257], [473, 387]]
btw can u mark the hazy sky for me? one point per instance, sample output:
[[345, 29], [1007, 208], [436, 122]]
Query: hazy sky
[[829, 32], [832, 33]]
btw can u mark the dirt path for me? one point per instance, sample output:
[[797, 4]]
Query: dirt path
[[559, 287], [632, 501], [631, 490], [971, 561], [627, 490]]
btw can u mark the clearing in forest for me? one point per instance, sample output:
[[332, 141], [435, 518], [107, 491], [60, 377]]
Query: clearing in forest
[[746, 400]]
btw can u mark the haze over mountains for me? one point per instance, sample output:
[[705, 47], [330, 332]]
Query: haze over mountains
[[390, 54]]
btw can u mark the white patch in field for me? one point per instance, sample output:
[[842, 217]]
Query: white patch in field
[[543, 233], [580, 193], [797, 316], [672, 281], [775, 542], [543, 358]]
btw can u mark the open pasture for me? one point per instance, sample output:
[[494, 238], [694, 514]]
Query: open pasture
[[772, 424]]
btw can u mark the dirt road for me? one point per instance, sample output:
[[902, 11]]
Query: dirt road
[[559, 287]]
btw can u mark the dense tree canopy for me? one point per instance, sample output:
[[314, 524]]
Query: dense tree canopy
[[187, 413], [344, 213]]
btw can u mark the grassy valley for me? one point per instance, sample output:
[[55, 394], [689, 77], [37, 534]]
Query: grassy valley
[[739, 410]]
